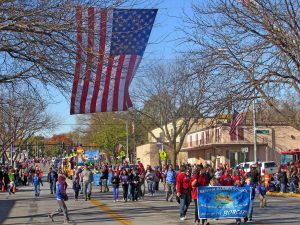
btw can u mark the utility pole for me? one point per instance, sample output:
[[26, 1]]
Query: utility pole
[[127, 155], [254, 129]]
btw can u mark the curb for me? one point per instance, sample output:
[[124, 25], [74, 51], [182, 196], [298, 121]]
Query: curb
[[278, 194]]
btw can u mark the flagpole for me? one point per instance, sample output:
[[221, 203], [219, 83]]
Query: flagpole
[[254, 129]]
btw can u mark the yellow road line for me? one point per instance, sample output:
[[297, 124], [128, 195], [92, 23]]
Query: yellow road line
[[110, 212]]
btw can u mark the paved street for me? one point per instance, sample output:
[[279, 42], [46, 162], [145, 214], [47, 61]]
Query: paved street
[[23, 208]]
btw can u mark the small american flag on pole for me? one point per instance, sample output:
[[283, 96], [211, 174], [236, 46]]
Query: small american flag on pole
[[110, 46], [237, 119]]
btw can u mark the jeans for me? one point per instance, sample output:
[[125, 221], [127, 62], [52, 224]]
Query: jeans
[[62, 208], [250, 209], [104, 182], [262, 201], [87, 189], [283, 187], [125, 191], [116, 192], [37, 190], [53, 186], [184, 204], [142, 190], [293, 187], [129, 196], [151, 187], [170, 191]]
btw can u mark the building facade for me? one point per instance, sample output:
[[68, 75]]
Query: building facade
[[214, 145]]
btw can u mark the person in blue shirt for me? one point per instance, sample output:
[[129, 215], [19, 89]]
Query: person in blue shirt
[[262, 190], [170, 180], [61, 197], [37, 181], [252, 188]]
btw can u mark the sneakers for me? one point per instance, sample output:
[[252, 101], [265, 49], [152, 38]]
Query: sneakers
[[245, 219], [51, 217], [238, 223], [182, 218], [66, 222]]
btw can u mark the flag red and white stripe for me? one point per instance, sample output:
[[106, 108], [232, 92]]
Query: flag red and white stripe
[[237, 119], [101, 80]]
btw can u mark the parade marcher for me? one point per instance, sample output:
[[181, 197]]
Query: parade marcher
[[135, 185], [238, 183], [61, 197], [262, 191], [124, 182], [199, 179], [52, 179], [226, 179], [183, 191], [88, 178], [141, 186], [37, 182], [1, 178], [76, 185], [11, 176], [116, 184], [150, 178], [294, 182], [250, 184], [157, 178], [104, 178], [170, 180]]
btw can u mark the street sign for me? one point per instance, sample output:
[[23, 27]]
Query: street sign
[[245, 149], [262, 131]]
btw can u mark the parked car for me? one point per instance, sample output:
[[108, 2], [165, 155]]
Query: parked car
[[269, 167]]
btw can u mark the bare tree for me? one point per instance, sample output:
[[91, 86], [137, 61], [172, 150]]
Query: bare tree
[[252, 45], [173, 98], [20, 118], [38, 41]]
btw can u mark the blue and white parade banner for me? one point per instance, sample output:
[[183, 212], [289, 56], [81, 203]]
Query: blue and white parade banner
[[220, 202]]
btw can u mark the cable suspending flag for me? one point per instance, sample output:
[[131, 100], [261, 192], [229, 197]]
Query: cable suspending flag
[[110, 46]]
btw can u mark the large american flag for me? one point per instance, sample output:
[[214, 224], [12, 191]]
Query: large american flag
[[110, 46], [237, 119]]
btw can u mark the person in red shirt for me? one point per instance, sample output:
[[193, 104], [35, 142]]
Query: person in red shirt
[[183, 186], [199, 179], [226, 179]]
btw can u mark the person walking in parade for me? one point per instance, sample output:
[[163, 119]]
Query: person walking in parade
[[52, 179], [252, 191], [88, 178], [199, 179], [104, 178], [116, 184], [170, 180], [124, 182], [37, 182], [183, 187], [76, 185], [262, 191], [61, 197], [150, 178], [11, 176]]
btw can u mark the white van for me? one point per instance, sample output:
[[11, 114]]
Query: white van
[[268, 167]]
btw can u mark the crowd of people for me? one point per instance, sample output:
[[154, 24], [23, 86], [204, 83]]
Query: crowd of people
[[137, 181]]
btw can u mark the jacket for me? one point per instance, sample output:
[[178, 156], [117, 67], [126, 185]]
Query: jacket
[[201, 181], [170, 176], [183, 183]]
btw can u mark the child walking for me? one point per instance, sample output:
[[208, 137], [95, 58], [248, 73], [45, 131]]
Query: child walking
[[61, 197], [37, 181], [116, 184], [76, 185], [262, 190]]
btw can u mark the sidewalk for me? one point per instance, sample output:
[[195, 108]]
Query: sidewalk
[[279, 194]]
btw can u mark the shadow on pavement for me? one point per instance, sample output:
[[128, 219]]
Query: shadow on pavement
[[5, 208]]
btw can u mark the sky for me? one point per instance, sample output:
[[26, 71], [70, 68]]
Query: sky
[[164, 44]]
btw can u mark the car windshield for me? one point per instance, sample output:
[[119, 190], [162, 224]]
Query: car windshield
[[246, 165], [270, 164], [285, 159]]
